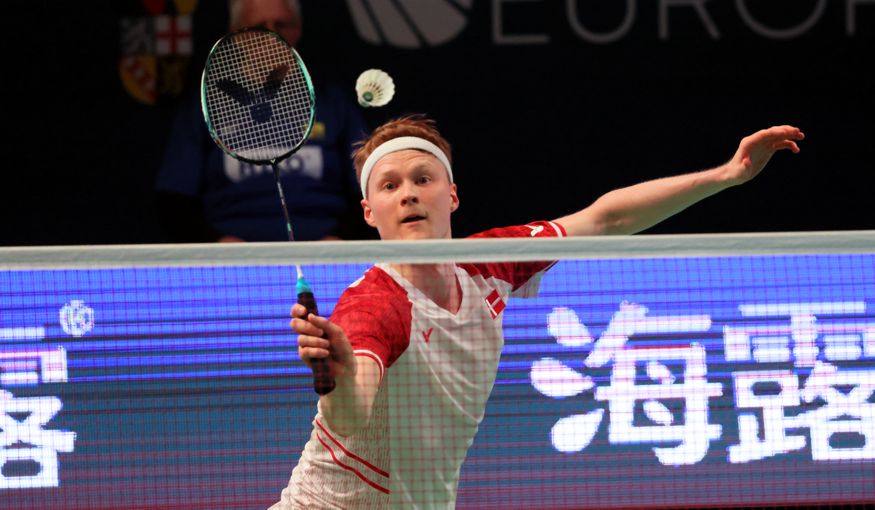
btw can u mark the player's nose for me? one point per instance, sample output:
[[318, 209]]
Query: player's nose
[[409, 194]]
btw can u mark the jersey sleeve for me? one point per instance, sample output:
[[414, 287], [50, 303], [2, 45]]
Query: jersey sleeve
[[375, 314], [524, 276]]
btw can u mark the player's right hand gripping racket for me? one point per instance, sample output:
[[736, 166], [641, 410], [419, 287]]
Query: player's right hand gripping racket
[[259, 106]]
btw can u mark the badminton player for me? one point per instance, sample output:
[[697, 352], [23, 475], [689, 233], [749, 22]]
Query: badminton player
[[415, 348]]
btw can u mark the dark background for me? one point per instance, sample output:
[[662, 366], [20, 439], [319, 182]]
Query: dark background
[[539, 130]]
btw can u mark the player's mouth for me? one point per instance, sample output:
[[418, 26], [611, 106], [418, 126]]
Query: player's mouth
[[413, 218]]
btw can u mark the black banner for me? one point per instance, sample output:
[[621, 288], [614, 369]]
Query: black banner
[[548, 105]]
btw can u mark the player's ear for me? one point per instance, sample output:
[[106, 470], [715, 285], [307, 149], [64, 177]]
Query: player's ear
[[368, 213], [454, 196]]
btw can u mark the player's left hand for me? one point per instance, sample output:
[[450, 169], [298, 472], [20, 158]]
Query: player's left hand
[[756, 150]]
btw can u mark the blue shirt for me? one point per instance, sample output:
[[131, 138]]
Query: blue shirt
[[241, 199]]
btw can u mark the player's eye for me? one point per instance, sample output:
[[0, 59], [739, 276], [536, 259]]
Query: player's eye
[[423, 179], [389, 186]]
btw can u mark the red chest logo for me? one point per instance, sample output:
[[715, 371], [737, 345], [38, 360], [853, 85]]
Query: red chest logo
[[494, 303], [426, 334]]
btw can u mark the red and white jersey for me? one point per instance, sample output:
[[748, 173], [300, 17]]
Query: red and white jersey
[[437, 371]]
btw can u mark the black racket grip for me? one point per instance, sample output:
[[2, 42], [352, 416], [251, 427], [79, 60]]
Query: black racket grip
[[323, 383]]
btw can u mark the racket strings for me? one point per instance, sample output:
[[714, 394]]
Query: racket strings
[[252, 115]]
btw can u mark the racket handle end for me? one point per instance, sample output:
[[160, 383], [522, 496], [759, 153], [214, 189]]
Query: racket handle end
[[323, 383]]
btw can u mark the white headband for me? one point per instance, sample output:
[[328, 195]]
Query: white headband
[[400, 144]]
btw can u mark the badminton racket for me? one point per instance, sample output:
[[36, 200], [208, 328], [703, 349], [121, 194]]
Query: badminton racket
[[259, 106]]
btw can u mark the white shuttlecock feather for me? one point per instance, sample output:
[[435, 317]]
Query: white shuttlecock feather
[[374, 88]]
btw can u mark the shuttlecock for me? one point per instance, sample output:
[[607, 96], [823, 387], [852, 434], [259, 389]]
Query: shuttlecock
[[374, 88]]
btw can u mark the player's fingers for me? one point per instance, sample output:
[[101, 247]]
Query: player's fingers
[[791, 132], [298, 310], [786, 144], [313, 347], [310, 353], [305, 327], [313, 342], [327, 327]]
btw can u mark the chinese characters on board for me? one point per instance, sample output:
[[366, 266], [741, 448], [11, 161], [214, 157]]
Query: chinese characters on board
[[28, 449], [775, 404]]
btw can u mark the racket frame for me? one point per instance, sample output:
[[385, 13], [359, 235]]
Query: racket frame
[[211, 127]]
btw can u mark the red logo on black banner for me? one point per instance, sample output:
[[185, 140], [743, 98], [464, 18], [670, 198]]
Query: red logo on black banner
[[155, 48]]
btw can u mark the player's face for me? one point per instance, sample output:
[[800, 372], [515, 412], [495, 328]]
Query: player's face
[[410, 197], [273, 15]]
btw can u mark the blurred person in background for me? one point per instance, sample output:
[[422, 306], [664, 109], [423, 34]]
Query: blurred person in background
[[204, 195]]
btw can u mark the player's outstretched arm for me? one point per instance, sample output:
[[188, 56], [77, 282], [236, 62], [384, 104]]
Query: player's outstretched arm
[[348, 407], [638, 207]]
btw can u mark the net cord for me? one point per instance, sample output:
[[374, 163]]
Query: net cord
[[434, 251]]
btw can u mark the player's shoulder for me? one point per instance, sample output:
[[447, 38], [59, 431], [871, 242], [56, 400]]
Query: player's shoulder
[[511, 272], [374, 299], [533, 229], [376, 287]]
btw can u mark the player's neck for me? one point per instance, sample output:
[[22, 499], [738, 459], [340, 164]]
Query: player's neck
[[437, 281]]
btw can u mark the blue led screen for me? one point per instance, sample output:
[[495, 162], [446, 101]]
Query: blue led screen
[[665, 382]]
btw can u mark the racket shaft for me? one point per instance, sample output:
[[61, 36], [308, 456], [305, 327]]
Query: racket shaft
[[285, 208], [323, 383]]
